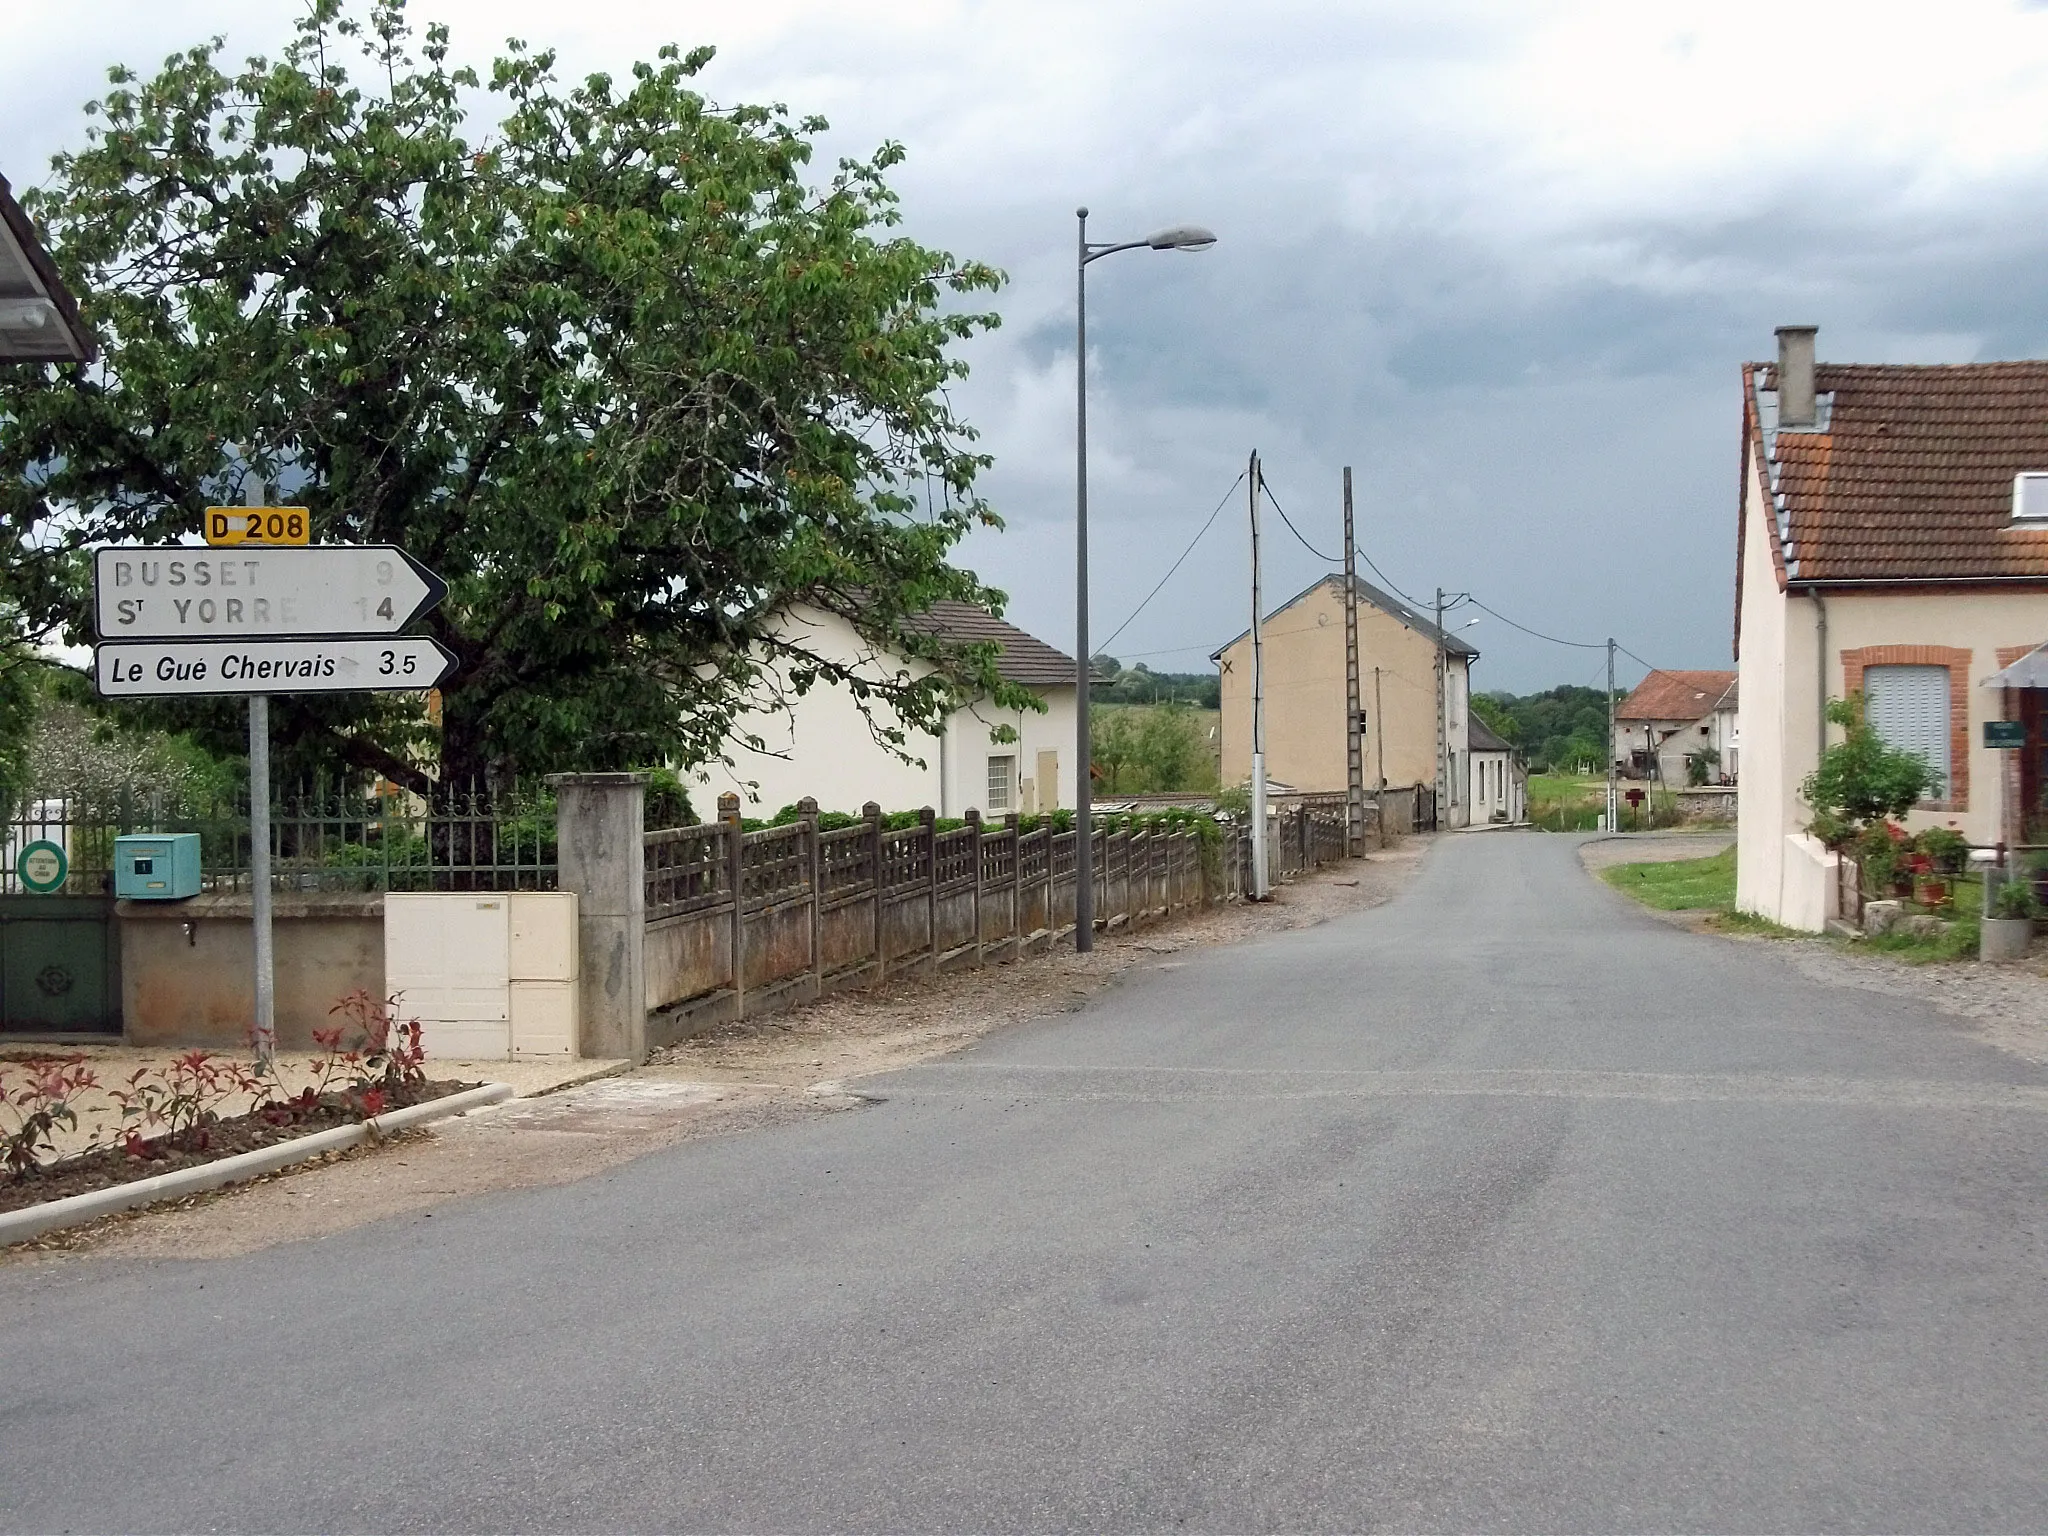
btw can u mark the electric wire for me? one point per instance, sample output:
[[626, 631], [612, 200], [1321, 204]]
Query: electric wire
[[1105, 645], [1581, 645], [1265, 486]]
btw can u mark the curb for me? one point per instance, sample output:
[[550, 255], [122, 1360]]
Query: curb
[[19, 1226]]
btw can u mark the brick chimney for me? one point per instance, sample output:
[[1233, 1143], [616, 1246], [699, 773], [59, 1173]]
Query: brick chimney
[[1796, 406]]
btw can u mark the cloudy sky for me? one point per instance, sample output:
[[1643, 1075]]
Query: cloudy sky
[[1502, 258]]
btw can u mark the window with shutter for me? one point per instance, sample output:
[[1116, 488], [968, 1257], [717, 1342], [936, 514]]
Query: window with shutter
[[1908, 707]]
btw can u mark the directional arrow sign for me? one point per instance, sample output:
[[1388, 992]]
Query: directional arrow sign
[[346, 664], [178, 592]]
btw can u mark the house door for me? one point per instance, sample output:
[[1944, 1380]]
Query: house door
[[59, 966]]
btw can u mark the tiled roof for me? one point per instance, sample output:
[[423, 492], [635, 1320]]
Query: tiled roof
[[1386, 602], [1022, 657], [1677, 696], [1911, 476], [1482, 737]]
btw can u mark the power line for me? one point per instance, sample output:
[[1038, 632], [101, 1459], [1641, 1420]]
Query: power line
[[1105, 645], [1268, 489], [1632, 656], [1581, 645]]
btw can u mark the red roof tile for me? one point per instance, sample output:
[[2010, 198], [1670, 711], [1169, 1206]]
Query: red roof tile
[[1677, 696], [1912, 478]]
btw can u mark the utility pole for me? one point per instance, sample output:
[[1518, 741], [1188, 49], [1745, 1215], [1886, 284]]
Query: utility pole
[[265, 1031], [1613, 790], [1354, 742], [1261, 885], [1443, 724]]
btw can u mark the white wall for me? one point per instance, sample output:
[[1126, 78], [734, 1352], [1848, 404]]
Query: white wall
[[1777, 658], [822, 744], [1493, 785]]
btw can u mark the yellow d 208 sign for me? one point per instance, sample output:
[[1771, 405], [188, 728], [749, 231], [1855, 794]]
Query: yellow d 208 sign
[[257, 525]]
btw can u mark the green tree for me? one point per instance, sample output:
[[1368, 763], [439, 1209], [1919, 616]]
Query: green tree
[[1173, 750], [613, 366], [1861, 778]]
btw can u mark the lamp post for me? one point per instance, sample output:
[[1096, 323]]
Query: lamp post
[[1182, 237]]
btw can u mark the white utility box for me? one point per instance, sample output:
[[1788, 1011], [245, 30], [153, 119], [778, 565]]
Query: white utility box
[[490, 975]]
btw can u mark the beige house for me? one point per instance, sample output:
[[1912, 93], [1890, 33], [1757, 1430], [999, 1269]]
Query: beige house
[[1306, 734], [1893, 542], [1669, 716], [823, 745]]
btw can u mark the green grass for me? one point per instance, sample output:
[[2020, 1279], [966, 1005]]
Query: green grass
[[1958, 943], [1566, 802], [1708, 885], [1682, 885]]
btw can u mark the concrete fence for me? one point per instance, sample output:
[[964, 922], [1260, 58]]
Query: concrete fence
[[685, 928]]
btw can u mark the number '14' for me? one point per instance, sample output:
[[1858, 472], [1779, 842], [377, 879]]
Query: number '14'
[[383, 609]]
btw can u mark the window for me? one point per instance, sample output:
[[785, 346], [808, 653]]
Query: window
[[1908, 707], [1002, 783], [2030, 496]]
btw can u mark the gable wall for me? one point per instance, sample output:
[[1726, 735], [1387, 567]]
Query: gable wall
[[1305, 735]]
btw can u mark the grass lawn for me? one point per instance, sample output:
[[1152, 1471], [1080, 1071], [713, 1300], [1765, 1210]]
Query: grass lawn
[[1566, 802], [1682, 885], [1708, 885]]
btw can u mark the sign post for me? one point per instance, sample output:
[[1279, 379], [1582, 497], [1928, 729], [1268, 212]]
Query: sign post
[[259, 612]]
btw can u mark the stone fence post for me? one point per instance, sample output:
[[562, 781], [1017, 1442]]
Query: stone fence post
[[602, 856]]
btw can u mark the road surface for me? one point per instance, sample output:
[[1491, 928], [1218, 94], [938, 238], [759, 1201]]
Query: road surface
[[1502, 1207]]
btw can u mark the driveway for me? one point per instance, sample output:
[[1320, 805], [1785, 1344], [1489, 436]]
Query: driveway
[[1504, 1206]]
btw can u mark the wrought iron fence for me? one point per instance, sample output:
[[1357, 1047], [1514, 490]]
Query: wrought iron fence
[[326, 835]]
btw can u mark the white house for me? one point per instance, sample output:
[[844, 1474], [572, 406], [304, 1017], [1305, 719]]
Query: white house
[[823, 745], [1669, 716], [1499, 791], [1893, 543]]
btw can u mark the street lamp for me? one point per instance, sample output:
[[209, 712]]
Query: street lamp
[[1181, 237]]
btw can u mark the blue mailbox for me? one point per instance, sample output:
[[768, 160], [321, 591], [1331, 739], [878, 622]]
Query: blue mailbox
[[157, 866]]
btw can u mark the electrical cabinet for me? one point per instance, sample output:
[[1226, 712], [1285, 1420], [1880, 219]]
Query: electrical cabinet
[[156, 866], [490, 975]]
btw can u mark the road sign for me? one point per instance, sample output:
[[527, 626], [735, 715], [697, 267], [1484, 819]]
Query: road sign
[[42, 868], [257, 525], [342, 664], [178, 592], [2005, 733]]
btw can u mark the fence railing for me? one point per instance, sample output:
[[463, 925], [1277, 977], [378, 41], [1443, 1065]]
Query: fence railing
[[325, 836], [741, 922]]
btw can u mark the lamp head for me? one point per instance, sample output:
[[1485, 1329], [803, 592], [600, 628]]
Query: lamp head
[[1181, 237]]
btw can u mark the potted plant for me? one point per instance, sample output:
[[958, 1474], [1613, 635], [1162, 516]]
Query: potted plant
[[1947, 850], [2008, 924]]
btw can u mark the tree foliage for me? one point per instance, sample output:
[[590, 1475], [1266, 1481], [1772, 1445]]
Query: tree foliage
[[614, 368], [1558, 730], [1861, 778], [1151, 749]]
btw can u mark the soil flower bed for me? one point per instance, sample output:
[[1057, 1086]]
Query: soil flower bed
[[106, 1166], [164, 1119]]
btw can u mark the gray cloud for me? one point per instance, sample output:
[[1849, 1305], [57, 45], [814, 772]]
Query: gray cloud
[[1504, 260]]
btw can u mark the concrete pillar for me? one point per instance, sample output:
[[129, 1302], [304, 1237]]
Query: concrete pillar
[[600, 837]]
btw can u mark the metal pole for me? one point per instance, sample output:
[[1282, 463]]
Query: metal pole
[[1354, 743], [1084, 797], [1261, 885], [265, 1032], [1613, 796]]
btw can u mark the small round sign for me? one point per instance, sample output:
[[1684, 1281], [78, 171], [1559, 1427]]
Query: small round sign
[[42, 867]]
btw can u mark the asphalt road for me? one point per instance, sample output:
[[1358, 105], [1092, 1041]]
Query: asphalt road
[[1501, 1207]]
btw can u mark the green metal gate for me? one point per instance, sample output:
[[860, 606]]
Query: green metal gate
[[60, 966]]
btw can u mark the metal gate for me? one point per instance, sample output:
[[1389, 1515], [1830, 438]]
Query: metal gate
[[59, 966]]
